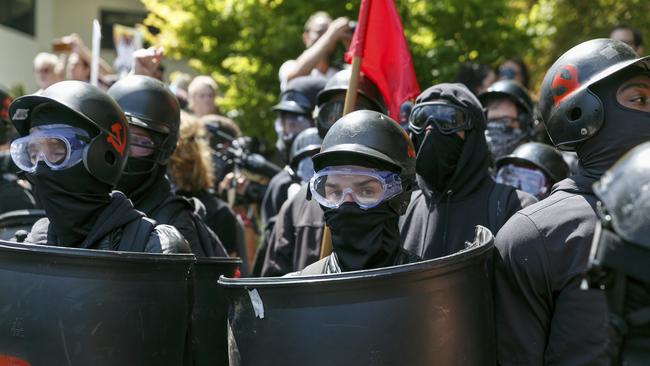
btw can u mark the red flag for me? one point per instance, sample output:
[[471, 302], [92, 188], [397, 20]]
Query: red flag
[[385, 57]]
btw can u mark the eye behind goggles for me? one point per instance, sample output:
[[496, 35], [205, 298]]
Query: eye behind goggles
[[60, 146], [367, 188]]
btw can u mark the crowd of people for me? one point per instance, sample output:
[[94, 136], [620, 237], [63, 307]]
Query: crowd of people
[[138, 165]]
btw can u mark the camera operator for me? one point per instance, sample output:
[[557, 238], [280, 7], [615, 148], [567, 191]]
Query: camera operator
[[321, 36]]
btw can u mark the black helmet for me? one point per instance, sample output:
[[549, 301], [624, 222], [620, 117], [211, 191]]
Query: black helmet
[[5, 101], [544, 157], [363, 137], [105, 156], [623, 189], [307, 143], [572, 113], [339, 83], [300, 95], [518, 94], [149, 104]]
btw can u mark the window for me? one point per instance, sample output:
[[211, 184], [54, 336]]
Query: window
[[18, 14]]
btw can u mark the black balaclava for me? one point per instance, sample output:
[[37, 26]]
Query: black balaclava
[[143, 179], [72, 197], [439, 155], [363, 239], [623, 128]]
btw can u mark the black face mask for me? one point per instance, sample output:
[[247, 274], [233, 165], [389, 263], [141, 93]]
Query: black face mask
[[72, 200], [364, 239], [623, 129], [135, 175], [438, 157]]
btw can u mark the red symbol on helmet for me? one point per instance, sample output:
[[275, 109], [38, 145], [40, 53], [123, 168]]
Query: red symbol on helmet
[[12, 361], [119, 140], [4, 108], [564, 83]]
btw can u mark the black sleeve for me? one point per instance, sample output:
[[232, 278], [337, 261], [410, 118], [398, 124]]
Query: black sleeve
[[279, 253], [224, 223], [523, 303]]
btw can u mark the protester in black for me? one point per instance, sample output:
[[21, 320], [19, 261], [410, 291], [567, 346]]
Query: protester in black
[[364, 176], [73, 147], [456, 191], [153, 115], [296, 239], [594, 100]]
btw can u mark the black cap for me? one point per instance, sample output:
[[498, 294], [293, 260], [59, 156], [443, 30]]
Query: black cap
[[300, 95]]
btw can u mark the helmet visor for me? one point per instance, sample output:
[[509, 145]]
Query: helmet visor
[[447, 118], [526, 179], [292, 124], [333, 186], [59, 146]]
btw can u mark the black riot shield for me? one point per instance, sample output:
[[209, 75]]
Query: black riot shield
[[65, 306], [209, 343], [435, 312]]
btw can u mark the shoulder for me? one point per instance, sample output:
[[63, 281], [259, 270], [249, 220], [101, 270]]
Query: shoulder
[[167, 239]]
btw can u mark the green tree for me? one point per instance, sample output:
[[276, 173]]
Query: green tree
[[242, 43]]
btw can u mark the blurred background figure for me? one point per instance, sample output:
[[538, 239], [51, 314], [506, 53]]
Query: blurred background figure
[[515, 69], [192, 172], [476, 77], [510, 116], [533, 168], [321, 36], [48, 69], [179, 85], [629, 35], [201, 93], [404, 113]]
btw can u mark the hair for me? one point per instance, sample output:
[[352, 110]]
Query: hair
[[472, 75], [314, 17], [190, 166], [44, 58], [638, 38]]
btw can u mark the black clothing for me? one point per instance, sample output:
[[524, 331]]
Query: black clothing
[[156, 199], [363, 239], [296, 238], [114, 228], [542, 314], [13, 196], [331, 263], [275, 196], [219, 218], [72, 200], [438, 158], [438, 223]]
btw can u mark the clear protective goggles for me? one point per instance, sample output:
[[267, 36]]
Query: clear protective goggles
[[448, 118], [332, 186], [528, 180], [291, 124], [60, 146]]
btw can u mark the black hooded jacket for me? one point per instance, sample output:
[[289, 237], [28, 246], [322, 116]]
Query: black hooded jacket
[[296, 237], [158, 202], [118, 227], [439, 223]]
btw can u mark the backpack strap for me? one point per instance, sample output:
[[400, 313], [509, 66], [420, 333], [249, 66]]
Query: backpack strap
[[135, 235]]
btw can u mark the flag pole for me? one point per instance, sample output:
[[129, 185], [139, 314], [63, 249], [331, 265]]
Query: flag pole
[[350, 95]]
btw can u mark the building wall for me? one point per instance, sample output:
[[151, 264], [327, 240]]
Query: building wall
[[57, 18]]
